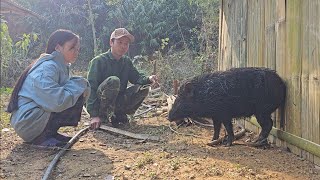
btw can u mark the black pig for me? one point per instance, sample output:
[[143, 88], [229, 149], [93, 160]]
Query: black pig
[[238, 92]]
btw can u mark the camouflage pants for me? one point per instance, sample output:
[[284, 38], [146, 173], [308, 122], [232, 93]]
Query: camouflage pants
[[111, 101]]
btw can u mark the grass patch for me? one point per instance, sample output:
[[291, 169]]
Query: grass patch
[[6, 90], [175, 164], [145, 160], [4, 99]]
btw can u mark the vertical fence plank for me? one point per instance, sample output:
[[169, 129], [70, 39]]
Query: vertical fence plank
[[306, 123], [294, 67], [225, 49], [270, 39], [314, 75], [255, 36], [243, 33], [270, 20], [280, 55]]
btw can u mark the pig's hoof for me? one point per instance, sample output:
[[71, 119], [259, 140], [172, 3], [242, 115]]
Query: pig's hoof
[[214, 143], [259, 143], [180, 122], [227, 143]]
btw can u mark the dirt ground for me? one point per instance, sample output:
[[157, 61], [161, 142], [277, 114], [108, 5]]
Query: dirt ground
[[182, 154], [102, 155]]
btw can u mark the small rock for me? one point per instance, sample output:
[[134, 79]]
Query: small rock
[[86, 123], [5, 130], [2, 175], [93, 152], [81, 140], [127, 167], [86, 175], [311, 171], [101, 144], [109, 177]]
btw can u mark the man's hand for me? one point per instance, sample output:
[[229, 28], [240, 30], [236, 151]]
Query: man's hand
[[153, 79], [95, 123]]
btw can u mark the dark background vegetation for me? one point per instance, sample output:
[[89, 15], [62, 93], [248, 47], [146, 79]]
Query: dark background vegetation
[[175, 39]]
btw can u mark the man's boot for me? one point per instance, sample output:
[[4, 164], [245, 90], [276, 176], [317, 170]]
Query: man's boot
[[119, 119]]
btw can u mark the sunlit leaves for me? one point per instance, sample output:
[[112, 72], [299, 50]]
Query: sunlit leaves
[[6, 50], [25, 42], [164, 42]]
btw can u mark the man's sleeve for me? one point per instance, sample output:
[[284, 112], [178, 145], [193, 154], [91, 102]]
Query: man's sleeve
[[93, 78], [135, 77]]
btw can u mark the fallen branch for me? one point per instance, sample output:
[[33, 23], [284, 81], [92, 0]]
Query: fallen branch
[[155, 96], [62, 152], [184, 133], [170, 100], [85, 110], [130, 134], [139, 114], [155, 90], [164, 114], [146, 105], [196, 121], [236, 136]]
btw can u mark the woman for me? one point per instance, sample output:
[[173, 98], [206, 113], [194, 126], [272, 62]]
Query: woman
[[45, 97]]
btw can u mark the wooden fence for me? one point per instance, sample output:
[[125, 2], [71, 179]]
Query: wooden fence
[[283, 35]]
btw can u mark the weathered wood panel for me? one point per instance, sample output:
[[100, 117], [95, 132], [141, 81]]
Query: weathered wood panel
[[280, 49], [306, 123], [314, 69], [270, 39], [233, 38], [285, 36], [255, 34], [224, 37]]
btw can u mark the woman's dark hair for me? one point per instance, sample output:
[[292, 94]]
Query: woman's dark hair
[[59, 37]]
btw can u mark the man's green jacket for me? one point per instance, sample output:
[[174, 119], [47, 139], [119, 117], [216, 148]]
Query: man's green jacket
[[104, 66]]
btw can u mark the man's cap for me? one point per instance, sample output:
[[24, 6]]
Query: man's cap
[[121, 32]]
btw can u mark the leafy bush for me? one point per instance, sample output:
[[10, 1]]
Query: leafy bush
[[6, 51], [189, 28]]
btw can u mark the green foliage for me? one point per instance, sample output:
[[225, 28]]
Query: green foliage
[[181, 36], [6, 90], [6, 50], [164, 42], [26, 41], [4, 116], [151, 21]]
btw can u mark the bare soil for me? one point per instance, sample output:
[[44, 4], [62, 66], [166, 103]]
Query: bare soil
[[180, 155]]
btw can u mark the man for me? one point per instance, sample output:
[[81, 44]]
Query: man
[[109, 74]]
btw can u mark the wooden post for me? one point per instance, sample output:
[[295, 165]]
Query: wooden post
[[175, 87]]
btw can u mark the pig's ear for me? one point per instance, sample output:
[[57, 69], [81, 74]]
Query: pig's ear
[[188, 89]]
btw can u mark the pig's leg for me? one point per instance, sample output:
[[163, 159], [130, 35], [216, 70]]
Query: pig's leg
[[216, 128], [265, 122], [228, 125]]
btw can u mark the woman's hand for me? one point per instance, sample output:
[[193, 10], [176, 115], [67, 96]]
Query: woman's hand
[[95, 123]]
